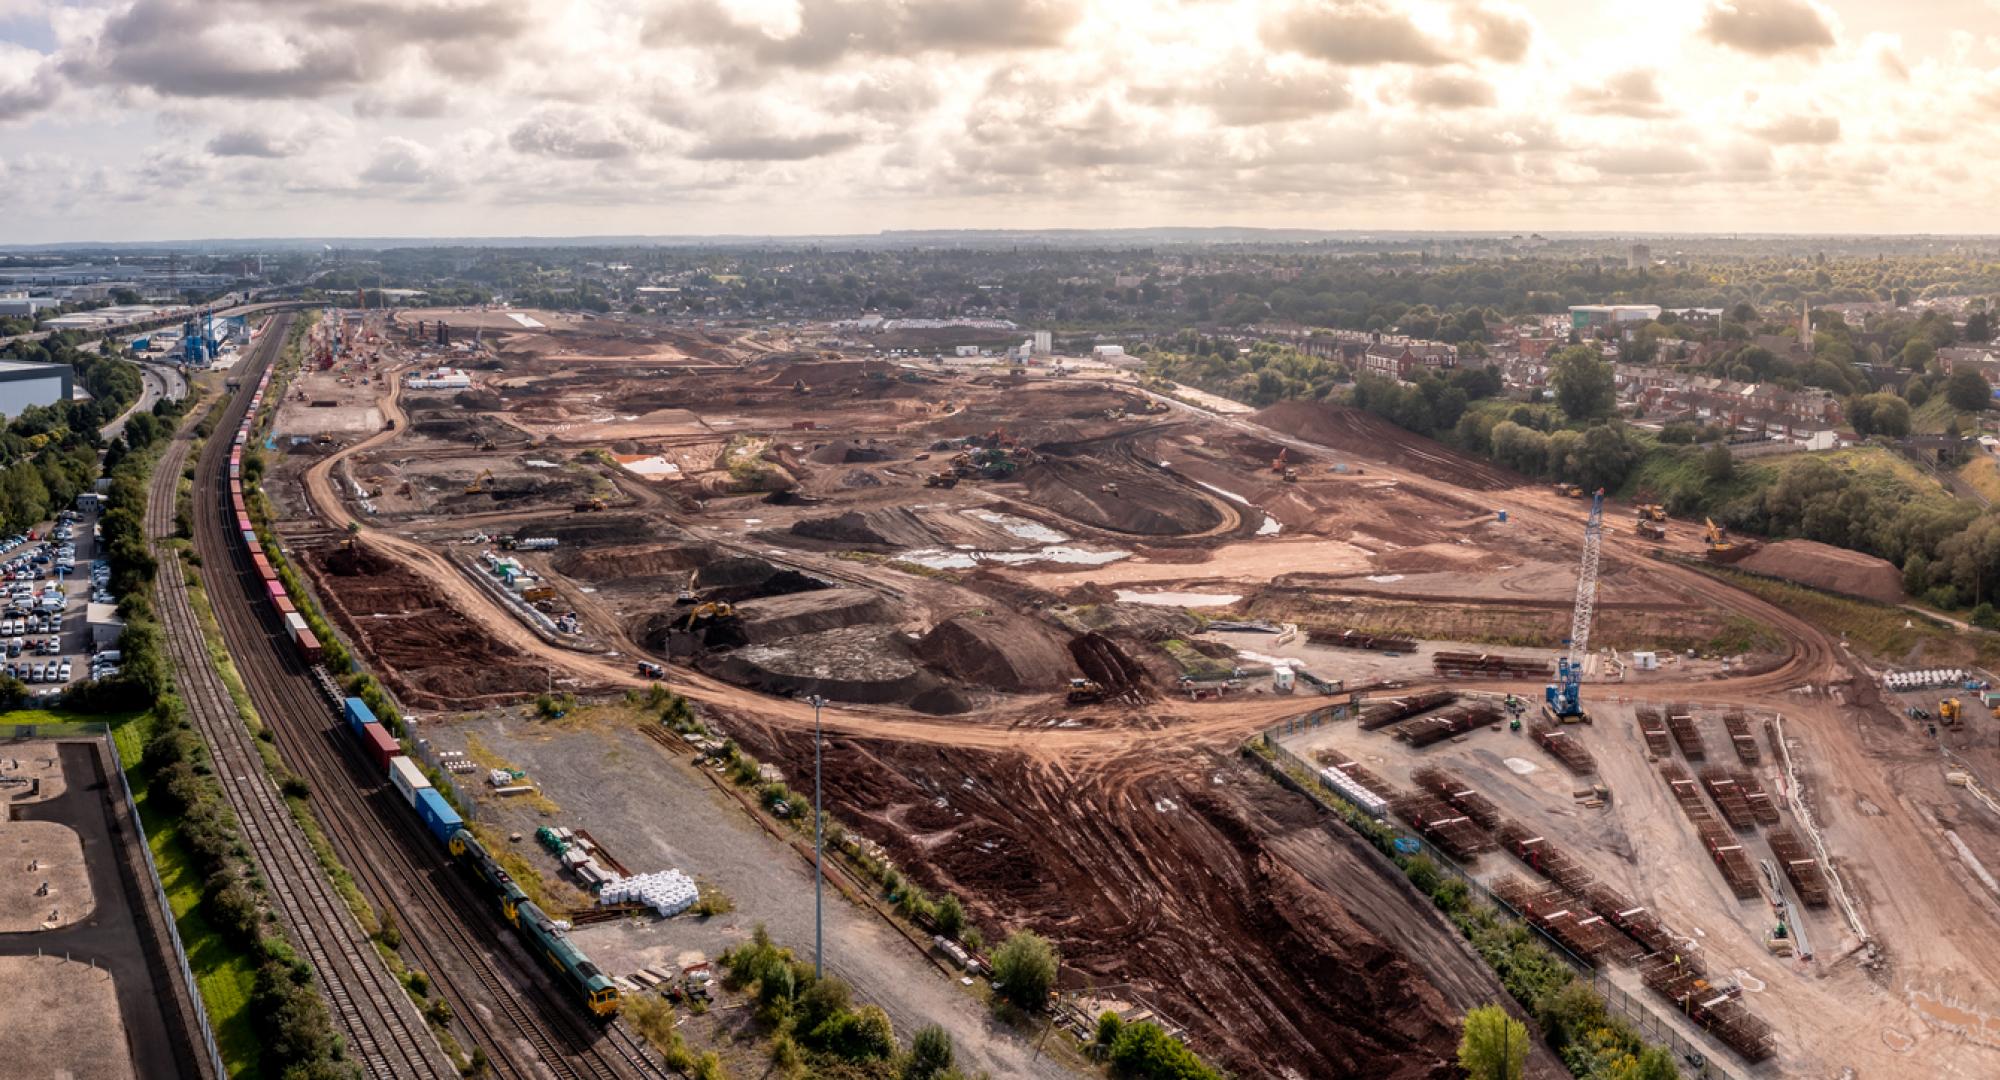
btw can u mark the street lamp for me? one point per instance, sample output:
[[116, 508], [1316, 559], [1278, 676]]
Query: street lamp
[[819, 849]]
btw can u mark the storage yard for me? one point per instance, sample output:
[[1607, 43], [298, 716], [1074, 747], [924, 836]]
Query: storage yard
[[1048, 611]]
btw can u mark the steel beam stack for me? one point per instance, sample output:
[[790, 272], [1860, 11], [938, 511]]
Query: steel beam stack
[[1680, 721], [1719, 1010], [1729, 798], [1654, 727], [1564, 917], [1426, 730], [1800, 867], [1465, 665], [1740, 737], [1564, 747], [1762, 805], [1383, 713], [1460, 795], [1355, 639], [1457, 835]]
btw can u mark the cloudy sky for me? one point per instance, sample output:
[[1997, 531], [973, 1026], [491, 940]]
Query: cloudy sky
[[165, 119]]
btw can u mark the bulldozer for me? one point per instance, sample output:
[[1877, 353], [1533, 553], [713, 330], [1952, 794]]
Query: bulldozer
[[1085, 692], [1652, 512], [589, 506], [478, 485], [946, 479]]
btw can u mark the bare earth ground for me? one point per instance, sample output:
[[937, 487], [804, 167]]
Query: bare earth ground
[[62, 1020], [1115, 836], [31, 761], [34, 854]]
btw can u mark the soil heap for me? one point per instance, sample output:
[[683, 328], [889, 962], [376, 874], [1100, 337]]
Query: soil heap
[[1003, 651]]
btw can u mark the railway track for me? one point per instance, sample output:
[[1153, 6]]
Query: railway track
[[381, 1026], [450, 929]]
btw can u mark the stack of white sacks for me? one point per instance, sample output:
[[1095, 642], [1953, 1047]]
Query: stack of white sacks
[[668, 892]]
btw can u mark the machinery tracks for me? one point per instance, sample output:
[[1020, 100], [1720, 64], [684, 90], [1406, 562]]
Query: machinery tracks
[[382, 1028], [449, 928]]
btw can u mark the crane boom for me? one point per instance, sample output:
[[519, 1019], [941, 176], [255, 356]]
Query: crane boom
[[1564, 698]]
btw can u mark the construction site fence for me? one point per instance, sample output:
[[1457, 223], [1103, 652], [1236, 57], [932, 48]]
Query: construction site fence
[[102, 733], [1642, 1016]]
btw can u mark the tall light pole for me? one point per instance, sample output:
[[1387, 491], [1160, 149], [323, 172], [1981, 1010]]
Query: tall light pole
[[819, 851]]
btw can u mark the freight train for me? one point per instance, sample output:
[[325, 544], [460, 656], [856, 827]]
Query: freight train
[[545, 937]]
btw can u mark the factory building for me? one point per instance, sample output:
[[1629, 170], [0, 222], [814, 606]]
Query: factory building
[[1592, 316], [19, 304], [23, 384]]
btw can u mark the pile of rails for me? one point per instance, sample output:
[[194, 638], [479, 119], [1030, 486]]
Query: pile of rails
[[1563, 747], [1355, 639], [1460, 795], [1654, 727], [1436, 728], [1740, 737], [1456, 834], [1543, 857], [1465, 665], [1563, 917], [1762, 806], [1800, 867], [1383, 713], [1721, 843], [1729, 798], [1680, 721], [1718, 1010]]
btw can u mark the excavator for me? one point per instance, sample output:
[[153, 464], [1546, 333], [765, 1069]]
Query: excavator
[[1278, 463], [478, 485], [714, 609], [1715, 535], [1948, 712]]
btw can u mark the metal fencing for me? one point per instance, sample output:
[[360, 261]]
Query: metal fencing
[[102, 731], [1696, 1057]]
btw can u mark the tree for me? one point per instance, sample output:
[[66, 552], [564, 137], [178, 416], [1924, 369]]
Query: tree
[[1024, 969], [930, 1054], [1585, 389], [1918, 354], [1879, 414], [1718, 464], [1494, 1047], [950, 915], [1967, 390], [1978, 327]]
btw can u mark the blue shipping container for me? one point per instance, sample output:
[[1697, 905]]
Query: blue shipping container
[[438, 815], [357, 713], [250, 536]]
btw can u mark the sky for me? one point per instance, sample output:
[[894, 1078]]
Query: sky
[[182, 119]]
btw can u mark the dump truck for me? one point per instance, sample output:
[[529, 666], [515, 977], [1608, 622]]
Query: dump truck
[[941, 480], [1568, 491], [1652, 512], [1652, 530]]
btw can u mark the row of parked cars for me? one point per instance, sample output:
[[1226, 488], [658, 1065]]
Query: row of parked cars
[[53, 671]]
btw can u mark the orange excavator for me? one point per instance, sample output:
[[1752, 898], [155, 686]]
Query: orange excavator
[[1278, 463]]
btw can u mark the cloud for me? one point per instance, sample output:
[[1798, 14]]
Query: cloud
[[1446, 90], [1768, 27], [1646, 161], [1499, 35], [828, 31], [28, 82], [760, 147], [1246, 94], [400, 162], [1634, 93], [245, 142], [575, 134], [1800, 130], [1361, 33]]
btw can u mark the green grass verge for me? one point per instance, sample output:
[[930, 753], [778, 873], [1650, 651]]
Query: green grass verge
[[1882, 630]]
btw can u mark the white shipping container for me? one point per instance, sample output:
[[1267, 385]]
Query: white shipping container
[[295, 622], [407, 778]]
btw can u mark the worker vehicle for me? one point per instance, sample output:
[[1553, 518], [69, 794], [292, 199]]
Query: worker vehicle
[[1652, 530], [651, 670], [589, 506], [945, 479], [1568, 491], [1154, 406], [478, 485], [1563, 700], [1085, 692], [1278, 463], [1291, 475]]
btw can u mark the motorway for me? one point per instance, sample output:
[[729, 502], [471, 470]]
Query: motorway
[[156, 381]]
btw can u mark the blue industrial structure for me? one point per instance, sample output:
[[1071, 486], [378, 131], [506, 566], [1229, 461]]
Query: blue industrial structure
[[1564, 698]]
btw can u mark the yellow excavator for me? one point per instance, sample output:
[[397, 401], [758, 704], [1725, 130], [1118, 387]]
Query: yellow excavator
[[1949, 711], [1716, 537], [478, 485], [714, 609]]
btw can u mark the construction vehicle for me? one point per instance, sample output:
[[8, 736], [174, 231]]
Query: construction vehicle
[[714, 609], [799, 387], [537, 592], [1568, 491], [1154, 407], [1948, 712], [1715, 535], [945, 479], [1108, 489], [1085, 692], [652, 670], [1652, 530], [1278, 463], [1563, 700], [1652, 512], [478, 485], [589, 506], [1291, 475]]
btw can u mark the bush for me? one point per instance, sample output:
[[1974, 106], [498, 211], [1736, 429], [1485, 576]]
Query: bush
[[950, 915], [1143, 1050], [930, 1054], [1024, 970]]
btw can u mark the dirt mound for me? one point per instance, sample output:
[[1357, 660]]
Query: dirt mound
[[847, 453], [1106, 662], [355, 561], [631, 562], [774, 617], [747, 577], [1823, 566], [863, 664], [890, 528], [598, 530], [1372, 438], [1003, 651], [1143, 505]]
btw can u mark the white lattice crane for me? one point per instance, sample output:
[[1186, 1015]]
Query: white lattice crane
[[1563, 698]]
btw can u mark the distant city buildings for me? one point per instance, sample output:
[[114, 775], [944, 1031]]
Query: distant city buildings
[[1639, 256]]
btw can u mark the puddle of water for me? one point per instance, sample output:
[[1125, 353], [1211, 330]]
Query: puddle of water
[[1270, 527], [1021, 527], [1384, 579], [940, 559], [1178, 599], [1520, 766]]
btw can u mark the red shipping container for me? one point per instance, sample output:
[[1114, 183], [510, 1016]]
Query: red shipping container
[[275, 589], [263, 566], [381, 745], [308, 647], [284, 604], [237, 500]]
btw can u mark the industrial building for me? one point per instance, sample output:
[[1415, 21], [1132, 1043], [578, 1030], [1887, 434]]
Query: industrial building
[[1593, 316], [23, 384], [17, 304]]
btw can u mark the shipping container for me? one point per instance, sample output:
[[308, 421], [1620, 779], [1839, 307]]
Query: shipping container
[[295, 622], [357, 712], [236, 500], [308, 646], [380, 746], [235, 470], [255, 547], [438, 815], [249, 536], [243, 523], [263, 566], [407, 778], [283, 603], [274, 589]]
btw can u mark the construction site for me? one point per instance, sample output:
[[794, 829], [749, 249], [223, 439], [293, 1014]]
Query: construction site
[[1047, 610]]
